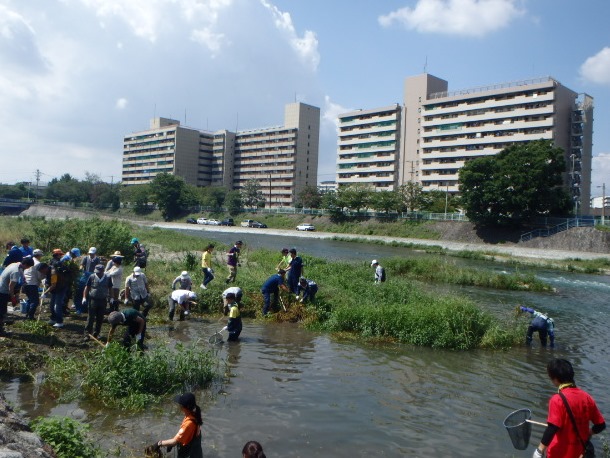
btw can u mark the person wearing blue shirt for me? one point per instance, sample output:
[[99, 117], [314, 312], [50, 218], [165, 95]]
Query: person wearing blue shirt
[[306, 290], [25, 248], [272, 286], [542, 324], [14, 254]]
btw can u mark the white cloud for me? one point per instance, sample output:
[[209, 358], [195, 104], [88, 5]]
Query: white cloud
[[455, 17], [306, 47], [596, 69], [213, 41], [331, 111], [121, 103]]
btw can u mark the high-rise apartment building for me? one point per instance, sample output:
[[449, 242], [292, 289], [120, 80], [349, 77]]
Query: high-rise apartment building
[[442, 130], [369, 147], [283, 160]]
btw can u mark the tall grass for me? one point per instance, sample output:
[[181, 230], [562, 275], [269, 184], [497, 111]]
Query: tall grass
[[131, 380], [66, 436]]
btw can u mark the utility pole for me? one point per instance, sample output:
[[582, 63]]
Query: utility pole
[[603, 204], [269, 190], [37, 184]]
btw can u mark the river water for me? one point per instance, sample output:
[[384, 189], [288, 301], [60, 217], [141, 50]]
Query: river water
[[304, 394]]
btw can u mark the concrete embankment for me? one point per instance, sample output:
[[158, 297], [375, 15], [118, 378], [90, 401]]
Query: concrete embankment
[[17, 439]]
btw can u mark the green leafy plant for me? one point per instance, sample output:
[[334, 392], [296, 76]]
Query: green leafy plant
[[66, 436]]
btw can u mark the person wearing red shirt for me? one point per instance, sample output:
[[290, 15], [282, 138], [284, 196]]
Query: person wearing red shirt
[[560, 439]]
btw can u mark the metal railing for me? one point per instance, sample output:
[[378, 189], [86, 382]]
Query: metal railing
[[546, 232]]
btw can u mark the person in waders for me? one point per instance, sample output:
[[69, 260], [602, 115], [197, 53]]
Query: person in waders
[[188, 438]]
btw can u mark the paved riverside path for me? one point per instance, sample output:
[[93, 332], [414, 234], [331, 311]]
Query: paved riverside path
[[501, 250]]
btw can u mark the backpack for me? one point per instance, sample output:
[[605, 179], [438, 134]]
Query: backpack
[[382, 279]]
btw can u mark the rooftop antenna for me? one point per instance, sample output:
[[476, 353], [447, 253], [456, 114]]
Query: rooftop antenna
[[236, 122], [155, 111], [185, 116], [426, 65]]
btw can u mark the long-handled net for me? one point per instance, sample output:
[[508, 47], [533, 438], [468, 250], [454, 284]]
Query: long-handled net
[[215, 338], [519, 428]]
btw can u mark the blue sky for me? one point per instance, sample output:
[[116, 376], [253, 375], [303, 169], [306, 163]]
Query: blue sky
[[77, 75]]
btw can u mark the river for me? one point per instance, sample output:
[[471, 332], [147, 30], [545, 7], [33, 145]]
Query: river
[[303, 394]]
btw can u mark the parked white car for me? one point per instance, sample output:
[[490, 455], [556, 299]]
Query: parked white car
[[213, 222], [202, 221], [306, 227]]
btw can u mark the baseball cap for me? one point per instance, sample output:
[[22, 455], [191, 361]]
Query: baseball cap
[[99, 268], [184, 274], [137, 270], [239, 242], [38, 252], [186, 400], [92, 250], [373, 262], [134, 240], [75, 252]]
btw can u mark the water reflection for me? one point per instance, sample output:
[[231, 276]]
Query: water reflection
[[301, 393]]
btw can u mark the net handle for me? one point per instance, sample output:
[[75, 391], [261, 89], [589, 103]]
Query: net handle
[[537, 423]]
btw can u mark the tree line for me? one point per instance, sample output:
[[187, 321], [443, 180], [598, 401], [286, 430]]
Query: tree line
[[520, 183]]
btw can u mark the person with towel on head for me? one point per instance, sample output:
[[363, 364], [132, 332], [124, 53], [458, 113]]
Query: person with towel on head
[[379, 272], [137, 292], [188, 438], [184, 298], [184, 281]]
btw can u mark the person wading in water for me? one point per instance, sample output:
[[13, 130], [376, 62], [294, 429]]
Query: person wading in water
[[188, 438]]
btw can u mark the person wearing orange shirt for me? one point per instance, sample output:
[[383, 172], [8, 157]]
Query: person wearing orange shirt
[[188, 438]]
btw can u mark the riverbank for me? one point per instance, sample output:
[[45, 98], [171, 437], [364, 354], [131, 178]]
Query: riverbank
[[16, 438]]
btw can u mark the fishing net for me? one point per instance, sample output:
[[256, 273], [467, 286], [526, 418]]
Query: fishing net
[[519, 429], [215, 338]]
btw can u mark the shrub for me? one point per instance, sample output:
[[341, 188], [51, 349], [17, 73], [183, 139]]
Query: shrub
[[66, 436]]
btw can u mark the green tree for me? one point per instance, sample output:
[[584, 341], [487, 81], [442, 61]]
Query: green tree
[[213, 196], [252, 194], [68, 189], [412, 196], [310, 197], [437, 201], [17, 191], [386, 201], [139, 196], [171, 195], [355, 196], [519, 183], [233, 202]]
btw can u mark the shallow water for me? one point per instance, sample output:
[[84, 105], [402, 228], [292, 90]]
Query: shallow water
[[303, 394]]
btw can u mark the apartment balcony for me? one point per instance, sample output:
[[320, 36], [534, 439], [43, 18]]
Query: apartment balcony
[[373, 130], [488, 102], [391, 116], [490, 115]]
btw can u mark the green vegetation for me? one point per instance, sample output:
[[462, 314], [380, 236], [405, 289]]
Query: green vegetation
[[511, 188], [130, 380], [66, 436]]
